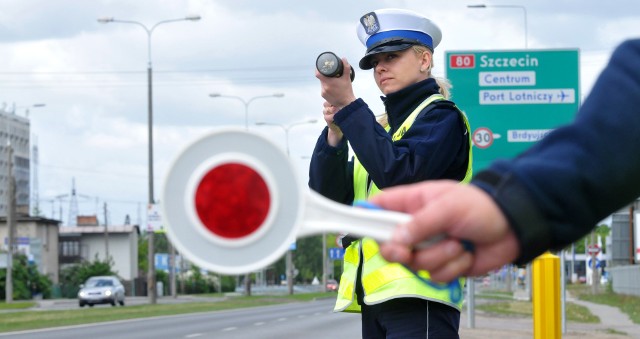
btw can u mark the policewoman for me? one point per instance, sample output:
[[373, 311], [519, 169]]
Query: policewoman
[[425, 136]]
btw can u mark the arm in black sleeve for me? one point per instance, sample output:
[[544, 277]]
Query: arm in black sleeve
[[330, 172], [435, 147], [558, 190]]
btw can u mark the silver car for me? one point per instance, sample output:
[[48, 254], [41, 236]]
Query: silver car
[[101, 290]]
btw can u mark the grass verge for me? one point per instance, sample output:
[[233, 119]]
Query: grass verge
[[628, 304], [19, 305], [506, 306]]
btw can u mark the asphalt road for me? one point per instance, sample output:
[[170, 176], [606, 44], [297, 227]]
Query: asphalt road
[[297, 320], [302, 320]]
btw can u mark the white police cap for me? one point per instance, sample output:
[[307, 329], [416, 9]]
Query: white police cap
[[389, 30]]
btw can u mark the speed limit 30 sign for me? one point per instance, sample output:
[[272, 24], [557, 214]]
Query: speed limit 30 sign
[[482, 137]]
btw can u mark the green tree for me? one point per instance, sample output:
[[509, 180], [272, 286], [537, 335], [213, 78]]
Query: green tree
[[160, 245], [142, 254], [308, 258], [602, 230], [27, 281]]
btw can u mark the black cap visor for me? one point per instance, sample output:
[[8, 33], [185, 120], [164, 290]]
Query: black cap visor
[[385, 46]]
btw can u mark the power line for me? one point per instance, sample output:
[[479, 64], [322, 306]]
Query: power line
[[183, 83], [92, 171], [244, 69]]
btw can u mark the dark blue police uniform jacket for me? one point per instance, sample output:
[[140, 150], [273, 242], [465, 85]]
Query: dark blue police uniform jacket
[[435, 147]]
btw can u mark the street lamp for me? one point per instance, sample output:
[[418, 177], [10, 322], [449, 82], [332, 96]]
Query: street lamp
[[289, 264], [246, 103], [151, 289], [26, 111], [524, 11]]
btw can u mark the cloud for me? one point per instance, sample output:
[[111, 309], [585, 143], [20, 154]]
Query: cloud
[[93, 77]]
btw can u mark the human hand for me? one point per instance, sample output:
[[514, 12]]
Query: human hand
[[337, 91], [462, 212], [334, 134]]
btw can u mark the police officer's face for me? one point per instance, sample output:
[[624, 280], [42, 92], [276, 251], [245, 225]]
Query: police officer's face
[[394, 71]]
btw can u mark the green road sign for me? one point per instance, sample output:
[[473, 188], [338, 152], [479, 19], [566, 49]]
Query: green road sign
[[513, 98]]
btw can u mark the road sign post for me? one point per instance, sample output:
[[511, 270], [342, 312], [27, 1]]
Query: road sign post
[[513, 98]]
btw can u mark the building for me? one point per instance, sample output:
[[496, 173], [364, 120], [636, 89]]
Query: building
[[88, 243], [14, 131], [37, 238]]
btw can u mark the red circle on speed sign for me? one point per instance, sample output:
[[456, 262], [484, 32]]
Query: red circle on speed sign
[[593, 249], [482, 137]]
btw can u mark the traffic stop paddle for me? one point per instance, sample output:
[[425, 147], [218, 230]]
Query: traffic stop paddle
[[234, 204]]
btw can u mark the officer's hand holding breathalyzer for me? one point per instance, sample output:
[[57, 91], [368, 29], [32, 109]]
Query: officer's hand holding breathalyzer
[[329, 65]]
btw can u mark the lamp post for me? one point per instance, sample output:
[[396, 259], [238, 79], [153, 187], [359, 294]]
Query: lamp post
[[151, 288], [246, 103], [289, 263], [11, 193], [524, 11], [26, 108]]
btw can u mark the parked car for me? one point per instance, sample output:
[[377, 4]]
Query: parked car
[[101, 290], [332, 285]]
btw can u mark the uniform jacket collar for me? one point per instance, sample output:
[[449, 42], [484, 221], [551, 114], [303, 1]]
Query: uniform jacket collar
[[399, 105]]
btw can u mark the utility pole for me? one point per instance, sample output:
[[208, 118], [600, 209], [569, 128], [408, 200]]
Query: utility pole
[[172, 270], [324, 261], [106, 234], [595, 279], [508, 278], [10, 225]]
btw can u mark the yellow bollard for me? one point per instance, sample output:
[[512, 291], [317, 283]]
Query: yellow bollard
[[546, 297]]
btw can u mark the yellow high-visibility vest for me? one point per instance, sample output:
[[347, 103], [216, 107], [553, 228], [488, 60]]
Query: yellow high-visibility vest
[[382, 280]]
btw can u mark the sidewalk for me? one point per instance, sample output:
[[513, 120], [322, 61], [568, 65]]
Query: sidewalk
[[613, 325]]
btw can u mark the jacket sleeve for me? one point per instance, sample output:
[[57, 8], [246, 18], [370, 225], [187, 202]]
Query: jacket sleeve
[[558, 190], [330, 172], [435, 147]]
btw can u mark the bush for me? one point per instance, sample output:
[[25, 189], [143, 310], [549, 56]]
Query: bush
[[27, 281], [228, 283], [164, 278], [71, 277], [195, 282]]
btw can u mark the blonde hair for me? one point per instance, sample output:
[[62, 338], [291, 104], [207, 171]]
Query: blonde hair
[[444, 84]]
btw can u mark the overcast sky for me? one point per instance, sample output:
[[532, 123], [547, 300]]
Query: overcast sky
[[92, 76]]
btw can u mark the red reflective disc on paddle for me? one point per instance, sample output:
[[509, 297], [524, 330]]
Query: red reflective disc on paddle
[[232, 200]]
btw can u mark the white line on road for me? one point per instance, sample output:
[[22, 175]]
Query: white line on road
[[193, 335]]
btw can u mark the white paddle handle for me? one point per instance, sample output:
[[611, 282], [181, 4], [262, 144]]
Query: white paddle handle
[[324, 215]]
